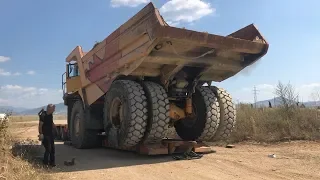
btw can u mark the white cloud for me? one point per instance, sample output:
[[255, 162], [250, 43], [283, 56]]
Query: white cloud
[[10, 87], [312, 85], [4, 58], [3, 101], [305, 91], [7, 73], [128, 3], [4, 73], [267, 91], [29, 97], [16, 74], [177, 11], [31, 72]]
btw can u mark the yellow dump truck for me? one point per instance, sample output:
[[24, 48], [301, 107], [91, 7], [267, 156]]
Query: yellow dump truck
[[143, 88]]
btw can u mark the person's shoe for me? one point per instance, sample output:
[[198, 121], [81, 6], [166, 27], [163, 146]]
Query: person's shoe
[[52, 164]]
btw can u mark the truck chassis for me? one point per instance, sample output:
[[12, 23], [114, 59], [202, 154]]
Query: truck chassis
[[143, 86]]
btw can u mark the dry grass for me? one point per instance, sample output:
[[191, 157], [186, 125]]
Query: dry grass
[[17, 158], [22, 125], [261, 125], [276, 124], [34, 118]]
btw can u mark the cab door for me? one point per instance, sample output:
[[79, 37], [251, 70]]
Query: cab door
[[73, 82]]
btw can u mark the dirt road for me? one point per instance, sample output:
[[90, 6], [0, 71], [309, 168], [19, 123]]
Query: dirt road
[[294, 160]]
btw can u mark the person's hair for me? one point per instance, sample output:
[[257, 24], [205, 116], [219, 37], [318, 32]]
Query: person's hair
[[50, 106]]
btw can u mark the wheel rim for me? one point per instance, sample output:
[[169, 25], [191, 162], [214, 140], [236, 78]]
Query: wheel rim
[[77, 125], [116, 112]]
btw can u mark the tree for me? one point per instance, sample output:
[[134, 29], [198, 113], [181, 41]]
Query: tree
[[315, 96], [288, 96]]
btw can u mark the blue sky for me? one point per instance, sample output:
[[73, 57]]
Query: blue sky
[[36, 36]]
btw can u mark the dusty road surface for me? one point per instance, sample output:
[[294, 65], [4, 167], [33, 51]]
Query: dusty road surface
[[294, 160]]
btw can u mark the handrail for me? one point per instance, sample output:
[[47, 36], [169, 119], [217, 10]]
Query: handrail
[[63, 83]]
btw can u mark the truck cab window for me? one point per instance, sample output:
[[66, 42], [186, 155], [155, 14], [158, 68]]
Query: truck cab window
[[73, 70]]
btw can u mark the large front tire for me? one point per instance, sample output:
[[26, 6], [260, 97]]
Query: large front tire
[[81, 137], [207, 117], [125, 113]]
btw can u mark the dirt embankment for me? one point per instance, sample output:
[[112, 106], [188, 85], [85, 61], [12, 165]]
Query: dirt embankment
[[294, 160]]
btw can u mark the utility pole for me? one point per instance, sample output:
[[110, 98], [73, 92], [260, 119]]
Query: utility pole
[[237, 103], [255, 92]]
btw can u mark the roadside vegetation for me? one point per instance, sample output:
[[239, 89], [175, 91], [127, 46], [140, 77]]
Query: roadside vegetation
[[17, 159], [21, 118], [288, 121]]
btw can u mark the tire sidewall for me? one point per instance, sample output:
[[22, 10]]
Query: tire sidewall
[[117, 90], [77, 109], [153, 111], [223, 98]]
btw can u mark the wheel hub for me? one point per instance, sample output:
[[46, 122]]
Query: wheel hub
[[191, 119]]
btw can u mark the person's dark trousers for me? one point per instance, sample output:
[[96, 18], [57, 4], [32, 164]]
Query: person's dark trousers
[[48, 143]]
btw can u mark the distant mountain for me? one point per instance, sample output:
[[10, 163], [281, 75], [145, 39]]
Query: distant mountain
[[277, 101], [312, 103], [265, 103], [15, 110], [60, 109]]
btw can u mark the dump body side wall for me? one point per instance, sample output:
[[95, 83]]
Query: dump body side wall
[[129, 50], [118, 53], [181, 48]]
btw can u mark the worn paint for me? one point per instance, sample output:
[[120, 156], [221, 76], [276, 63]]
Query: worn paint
[[130, 50]]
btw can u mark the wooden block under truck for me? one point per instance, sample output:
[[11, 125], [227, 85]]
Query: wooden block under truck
[[142, 87]]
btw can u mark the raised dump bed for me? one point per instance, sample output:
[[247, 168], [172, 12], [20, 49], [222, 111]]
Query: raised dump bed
[[144, 83]]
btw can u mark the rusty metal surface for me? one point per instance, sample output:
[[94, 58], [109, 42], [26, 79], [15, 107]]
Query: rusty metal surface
[[208, 40], [139, 39], [249, 32]]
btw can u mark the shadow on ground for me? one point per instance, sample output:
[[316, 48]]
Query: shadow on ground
[[94, 159]]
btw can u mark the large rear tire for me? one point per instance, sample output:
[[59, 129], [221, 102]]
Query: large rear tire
[[158, 112], [207, 117], [227, 114], [125, 113], [81, 137]]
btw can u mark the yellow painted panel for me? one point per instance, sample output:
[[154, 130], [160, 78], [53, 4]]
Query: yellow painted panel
[[73, 84]]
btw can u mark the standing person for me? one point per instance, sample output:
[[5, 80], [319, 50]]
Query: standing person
[[46, 128]]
